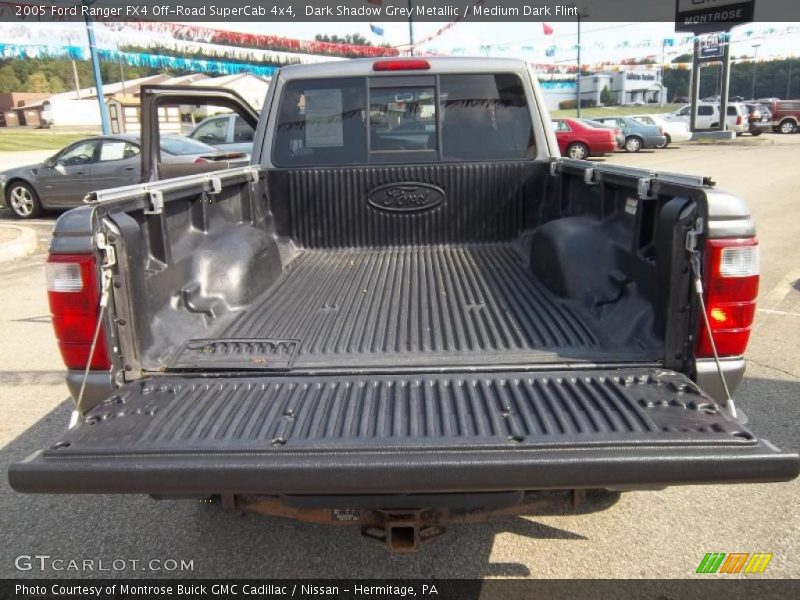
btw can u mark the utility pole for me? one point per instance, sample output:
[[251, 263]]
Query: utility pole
[[789, 81], [755, 70], [98, 78], [121, 72], [77, 81]]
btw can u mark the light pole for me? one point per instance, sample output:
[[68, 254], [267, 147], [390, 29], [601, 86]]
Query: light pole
[[411, 26], [755, 68], [789, 81], [98, 78], [578, 80]]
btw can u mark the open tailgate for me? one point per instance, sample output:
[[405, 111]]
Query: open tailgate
[[376, 434]]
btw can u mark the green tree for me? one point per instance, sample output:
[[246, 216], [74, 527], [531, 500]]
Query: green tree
[[607, 98], [37, 82], [56, 84], [9, 82]]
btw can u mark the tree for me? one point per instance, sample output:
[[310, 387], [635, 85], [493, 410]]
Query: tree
[[351, 38], [37, 82], [9, 82], [607, 98]]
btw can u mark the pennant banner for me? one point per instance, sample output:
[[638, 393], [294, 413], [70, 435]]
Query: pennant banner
[[136, 59]]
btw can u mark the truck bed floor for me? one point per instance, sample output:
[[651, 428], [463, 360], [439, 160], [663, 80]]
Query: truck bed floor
[[428, 305]]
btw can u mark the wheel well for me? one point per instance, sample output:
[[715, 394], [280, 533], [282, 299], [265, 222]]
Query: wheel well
[[634, 136], [10, 183], [791, 119]]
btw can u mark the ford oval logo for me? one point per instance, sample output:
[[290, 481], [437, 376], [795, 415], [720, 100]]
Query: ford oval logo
[[406, 197]]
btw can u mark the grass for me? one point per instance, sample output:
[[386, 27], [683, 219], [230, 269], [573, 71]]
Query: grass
[[617, 111], [19, 140]]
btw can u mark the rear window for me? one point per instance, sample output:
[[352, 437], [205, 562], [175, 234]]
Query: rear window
[[403, 119]]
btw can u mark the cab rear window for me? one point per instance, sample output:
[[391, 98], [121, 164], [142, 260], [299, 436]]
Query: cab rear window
[[403, 119]]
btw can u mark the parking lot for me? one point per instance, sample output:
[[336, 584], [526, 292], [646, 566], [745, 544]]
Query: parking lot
[[640, 534]]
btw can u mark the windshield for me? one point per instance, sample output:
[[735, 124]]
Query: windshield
[[173, 144]]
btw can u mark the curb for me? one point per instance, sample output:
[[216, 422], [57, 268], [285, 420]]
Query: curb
[[24, 244]]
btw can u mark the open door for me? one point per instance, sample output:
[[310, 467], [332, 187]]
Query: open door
[[216, 131]]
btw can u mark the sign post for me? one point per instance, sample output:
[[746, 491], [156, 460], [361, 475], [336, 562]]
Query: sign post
[[719, 17]]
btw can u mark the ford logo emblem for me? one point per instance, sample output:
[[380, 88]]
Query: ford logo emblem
[[406, 197]]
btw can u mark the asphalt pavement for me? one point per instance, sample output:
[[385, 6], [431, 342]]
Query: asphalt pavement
[[638, 534]]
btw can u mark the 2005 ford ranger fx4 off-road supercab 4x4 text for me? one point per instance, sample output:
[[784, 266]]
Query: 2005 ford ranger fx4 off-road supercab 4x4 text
[[408, 310]]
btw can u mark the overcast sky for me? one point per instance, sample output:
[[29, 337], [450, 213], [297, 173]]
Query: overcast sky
[[473, 35]]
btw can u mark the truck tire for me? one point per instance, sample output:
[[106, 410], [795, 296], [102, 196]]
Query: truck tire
[[787, 126], [578, 150], [633, 144], [23, 201]]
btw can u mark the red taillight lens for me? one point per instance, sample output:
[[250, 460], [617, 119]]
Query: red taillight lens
[[200, 160], [74, 303], [731, 275], [401, 64], [739, 120]]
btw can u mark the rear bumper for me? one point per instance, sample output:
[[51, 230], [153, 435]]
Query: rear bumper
[[394, 434], [654, 141]]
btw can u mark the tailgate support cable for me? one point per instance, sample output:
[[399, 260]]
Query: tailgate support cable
[[694, 260], [109, 260]]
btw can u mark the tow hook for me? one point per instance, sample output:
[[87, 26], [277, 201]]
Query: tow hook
[[403, 530]]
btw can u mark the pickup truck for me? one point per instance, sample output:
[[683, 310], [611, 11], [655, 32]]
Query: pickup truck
[[407, 310]]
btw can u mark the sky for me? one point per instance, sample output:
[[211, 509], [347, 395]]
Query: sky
[[473, 35]]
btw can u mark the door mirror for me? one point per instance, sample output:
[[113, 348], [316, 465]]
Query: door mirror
[[50, 162]]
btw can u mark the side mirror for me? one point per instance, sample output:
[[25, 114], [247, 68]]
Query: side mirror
[[50, 162]]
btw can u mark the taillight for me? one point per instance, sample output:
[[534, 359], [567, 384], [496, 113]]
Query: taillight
[[739, 119], [401, 64], [731, 276], [74, 299], [200, 160]]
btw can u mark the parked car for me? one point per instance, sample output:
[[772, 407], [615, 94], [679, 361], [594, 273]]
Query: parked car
[[768, 101], [674, 131], [619, 137], [708, 116], [579, 140], [62, 181], [226, 132], [785, 115], [396, 340], [681, 100], [637, 135], [759, 118]]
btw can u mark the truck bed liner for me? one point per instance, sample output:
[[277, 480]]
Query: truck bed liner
[[419, 306], [393, 433]]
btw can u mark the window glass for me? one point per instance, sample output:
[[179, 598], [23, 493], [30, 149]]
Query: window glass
[[485, 117], [645, 120], [212, 131], [173, 144], [242, 131], [322, 122], [80, 154], [561, 126], [402, 118], [117, 150], [705, 111], [685, 111]]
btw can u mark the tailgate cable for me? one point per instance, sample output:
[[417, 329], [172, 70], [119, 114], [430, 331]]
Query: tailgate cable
[[694, 260], [109, 260]]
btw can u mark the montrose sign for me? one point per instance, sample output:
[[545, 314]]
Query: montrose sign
[[702, 16]]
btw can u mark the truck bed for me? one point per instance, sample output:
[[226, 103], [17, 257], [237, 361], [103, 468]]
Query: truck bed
[[424, 305]]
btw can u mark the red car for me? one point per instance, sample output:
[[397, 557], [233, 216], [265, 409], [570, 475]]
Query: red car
[[579, 140]]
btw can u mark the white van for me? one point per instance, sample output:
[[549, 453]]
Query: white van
[[708, 116]]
